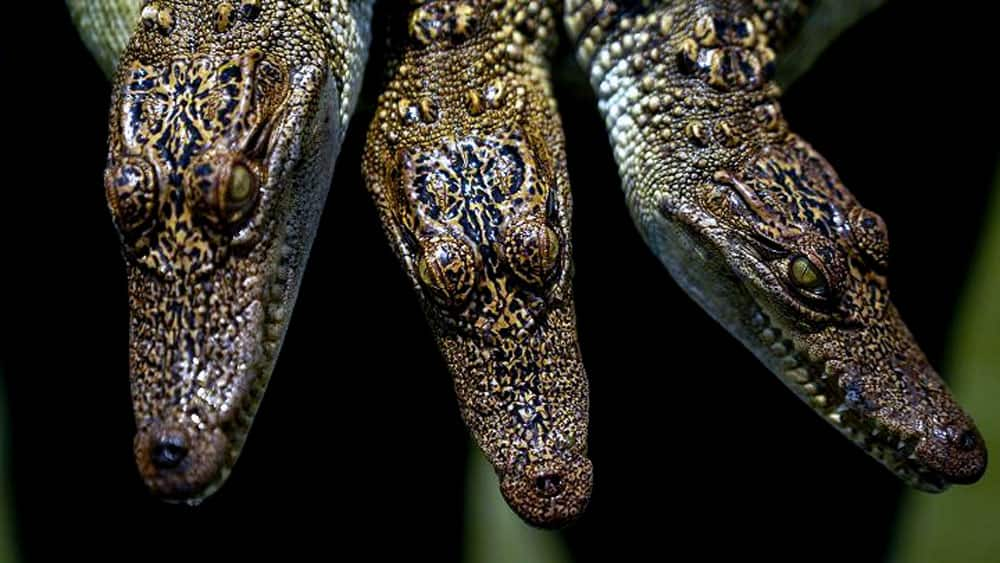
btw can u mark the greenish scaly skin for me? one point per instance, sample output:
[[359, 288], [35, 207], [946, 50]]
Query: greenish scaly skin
[[105, 26], [226, 119], [465, 161], [757, 227]]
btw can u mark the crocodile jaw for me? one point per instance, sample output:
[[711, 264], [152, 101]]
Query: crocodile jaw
[[201, 355], [871, 382]]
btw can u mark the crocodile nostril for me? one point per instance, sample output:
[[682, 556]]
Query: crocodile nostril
[[169, 452], [548, 485], [968, 441]]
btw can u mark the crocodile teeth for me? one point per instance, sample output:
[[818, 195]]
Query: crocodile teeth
[[799, 375], [767, 336], [896, 456]]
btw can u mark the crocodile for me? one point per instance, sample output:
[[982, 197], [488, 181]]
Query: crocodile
[[757, 227], [226, 120], [465, 160]]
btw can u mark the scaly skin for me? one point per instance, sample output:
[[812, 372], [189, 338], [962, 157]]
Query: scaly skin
[[758, 229], [105, 26], [466, 164], [226, 120]]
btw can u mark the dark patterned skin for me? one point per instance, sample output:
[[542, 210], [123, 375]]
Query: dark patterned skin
[[466, 164], [226, 120], [757, 227]]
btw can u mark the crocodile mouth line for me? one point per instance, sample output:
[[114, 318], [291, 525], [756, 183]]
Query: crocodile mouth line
[[237, 426], [813, 381]]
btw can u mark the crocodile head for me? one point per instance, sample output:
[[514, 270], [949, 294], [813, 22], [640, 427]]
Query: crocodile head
[[218, 165], [482, 226], [784, 256]]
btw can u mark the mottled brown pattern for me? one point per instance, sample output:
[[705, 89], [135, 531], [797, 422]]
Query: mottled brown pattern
[[466, 164], [758, 228], [226, 120]]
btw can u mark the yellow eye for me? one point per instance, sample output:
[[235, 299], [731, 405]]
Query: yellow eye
[[240, 194], [240, 184], [532, 250], [222, 190], [551, 251], [447, 268], [807, 275]]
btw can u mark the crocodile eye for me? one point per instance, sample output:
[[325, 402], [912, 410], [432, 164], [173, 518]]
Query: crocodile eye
[[532, 250], [241, 184], [131, 191], [447, 268], [807, 276], [222, 190]]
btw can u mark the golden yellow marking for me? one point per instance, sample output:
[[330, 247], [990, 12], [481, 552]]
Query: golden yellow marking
[[704, 31], [223, 17], [474, 102]]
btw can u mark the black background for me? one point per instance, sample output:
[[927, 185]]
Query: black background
[[358, 447]]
